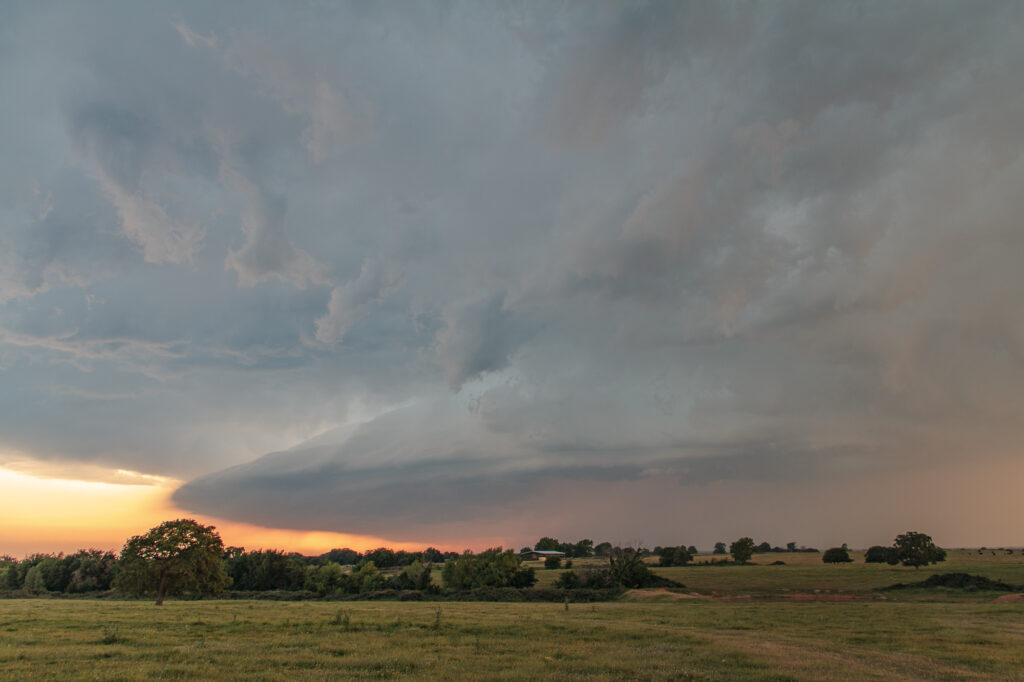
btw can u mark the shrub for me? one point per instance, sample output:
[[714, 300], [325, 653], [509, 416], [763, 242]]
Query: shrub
[[507, 594], [877, 555], [963, 581], [836, 555], [568, 581]]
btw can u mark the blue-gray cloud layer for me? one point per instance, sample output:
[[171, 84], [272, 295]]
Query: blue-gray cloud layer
[[568, 242]]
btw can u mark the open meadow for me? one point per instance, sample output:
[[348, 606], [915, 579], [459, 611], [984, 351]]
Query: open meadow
[[801, 621]]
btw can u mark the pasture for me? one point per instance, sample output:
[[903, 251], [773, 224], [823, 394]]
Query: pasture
[[801, 621]]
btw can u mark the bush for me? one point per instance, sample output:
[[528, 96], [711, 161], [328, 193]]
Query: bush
[[877, 555], [963, 581], [836, 555], [552, 562], [568, 581], [507, 594]]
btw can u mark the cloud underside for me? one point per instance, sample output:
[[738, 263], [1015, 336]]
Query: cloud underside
[[530, 249]]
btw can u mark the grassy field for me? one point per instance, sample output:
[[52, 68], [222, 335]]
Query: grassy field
[[917, 634], [804, 572]]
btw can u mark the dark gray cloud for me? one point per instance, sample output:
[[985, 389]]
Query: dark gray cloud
[[579, 245]]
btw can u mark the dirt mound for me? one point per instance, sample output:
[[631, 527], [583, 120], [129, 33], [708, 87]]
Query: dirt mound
[[1009, 597], [962, 581]]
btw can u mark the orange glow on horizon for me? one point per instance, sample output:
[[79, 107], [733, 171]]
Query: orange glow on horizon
[[50, 515]]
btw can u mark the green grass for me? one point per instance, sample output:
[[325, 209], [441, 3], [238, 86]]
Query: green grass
[[920, 634], [804, 572], [686, 639]]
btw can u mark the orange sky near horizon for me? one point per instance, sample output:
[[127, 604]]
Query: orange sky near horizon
[[49, 515], [962, 505]]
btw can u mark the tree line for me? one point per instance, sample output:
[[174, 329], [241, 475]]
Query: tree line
[[184, 556]]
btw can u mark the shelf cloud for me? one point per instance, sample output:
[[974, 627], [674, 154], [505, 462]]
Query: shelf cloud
[[415, 271]]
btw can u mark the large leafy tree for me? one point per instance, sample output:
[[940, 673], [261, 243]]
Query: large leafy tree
[[915, 549], [742, 550], [174, 557]]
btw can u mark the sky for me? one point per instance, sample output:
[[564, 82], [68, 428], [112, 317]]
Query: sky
[[471, 273]]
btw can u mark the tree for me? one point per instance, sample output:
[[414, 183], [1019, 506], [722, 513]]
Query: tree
[[603, 549], [742, 550], [174, 557], [764, 547], [325, 579], [490, 568], [673, 556], [547, 544], [264, 570], [877, 555], [92, 569], [415, 576], [34, 582], [626, 567], [836, 555], [365, 578], [719, 548], [382, 557], [915, 549], [790, 546], [584, 548], [343, 556]]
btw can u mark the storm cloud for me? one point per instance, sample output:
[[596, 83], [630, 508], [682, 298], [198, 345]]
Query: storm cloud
[[448, 262]]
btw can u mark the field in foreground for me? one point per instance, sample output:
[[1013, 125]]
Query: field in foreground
[[642, 639]]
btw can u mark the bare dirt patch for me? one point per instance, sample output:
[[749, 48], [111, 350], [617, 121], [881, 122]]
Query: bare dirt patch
[[1009, 597]]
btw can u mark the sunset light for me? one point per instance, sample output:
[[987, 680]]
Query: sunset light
[[477, 339], [53, 514]]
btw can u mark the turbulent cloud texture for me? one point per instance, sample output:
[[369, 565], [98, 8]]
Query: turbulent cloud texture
[[450, 262]]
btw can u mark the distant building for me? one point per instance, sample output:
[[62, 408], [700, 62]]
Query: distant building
[[535, 554]]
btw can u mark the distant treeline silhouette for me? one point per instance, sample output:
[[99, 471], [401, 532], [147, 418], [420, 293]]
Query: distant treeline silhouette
[[381, 571]]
